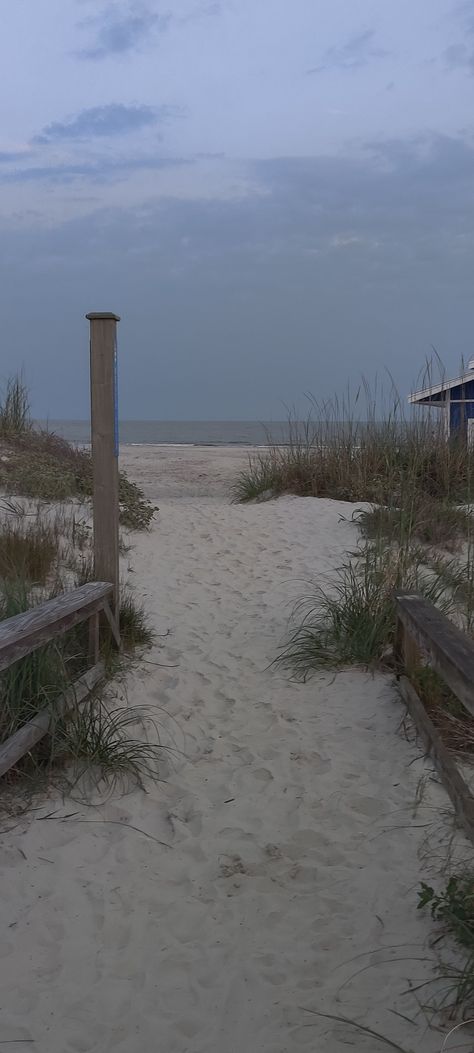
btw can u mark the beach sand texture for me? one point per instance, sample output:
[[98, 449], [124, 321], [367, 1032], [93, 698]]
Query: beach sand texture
[[288, 808]]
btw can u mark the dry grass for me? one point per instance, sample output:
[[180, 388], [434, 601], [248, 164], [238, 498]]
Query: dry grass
[[28, 549], [454, 723]]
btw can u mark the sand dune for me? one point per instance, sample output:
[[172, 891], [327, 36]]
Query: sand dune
[[289, 883]]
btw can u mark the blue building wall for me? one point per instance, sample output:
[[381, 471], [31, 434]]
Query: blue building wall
[[459, 414]]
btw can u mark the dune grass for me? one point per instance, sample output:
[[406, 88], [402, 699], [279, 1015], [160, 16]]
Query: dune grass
[[351, 620], [99, 743], [28, 549], [96, 736], [416, 485], [426, 519], [372, 464], [15, 419], [365, 446], [44, 550], [135, 628], [39, 464]]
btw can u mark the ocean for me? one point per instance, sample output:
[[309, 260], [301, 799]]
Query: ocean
[[180, 432]]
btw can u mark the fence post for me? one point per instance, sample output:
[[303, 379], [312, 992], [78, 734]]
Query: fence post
[[104, 434]]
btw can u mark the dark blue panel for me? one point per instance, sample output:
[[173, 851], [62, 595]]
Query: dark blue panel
[[454, 417], [459, 414], [463, 391]]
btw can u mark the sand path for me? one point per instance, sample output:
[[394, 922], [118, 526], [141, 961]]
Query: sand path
[[288, 809]]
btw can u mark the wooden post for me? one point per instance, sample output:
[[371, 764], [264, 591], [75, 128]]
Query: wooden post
[[104, 425]]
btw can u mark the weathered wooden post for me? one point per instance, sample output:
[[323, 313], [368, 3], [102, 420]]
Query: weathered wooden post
[[105, 442]]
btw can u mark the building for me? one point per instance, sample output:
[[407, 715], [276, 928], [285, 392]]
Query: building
[[455, 399]]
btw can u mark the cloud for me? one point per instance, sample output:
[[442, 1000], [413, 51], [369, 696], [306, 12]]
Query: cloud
[[460, 55], [121, 28], [96, 171], [203, 10], [7, 156], [333, 267], [359, 50], [102, 121], [465, 12]]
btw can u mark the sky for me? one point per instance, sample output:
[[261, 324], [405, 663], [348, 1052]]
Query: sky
[[276, 196]]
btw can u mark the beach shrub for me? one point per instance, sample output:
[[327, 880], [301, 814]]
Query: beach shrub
[[453, 908]]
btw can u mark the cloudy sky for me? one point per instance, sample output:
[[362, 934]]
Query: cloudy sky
[[275, 195]]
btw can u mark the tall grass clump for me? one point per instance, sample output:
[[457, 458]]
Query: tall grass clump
[[15, 409], [135, 628], [28, 549], [101, 747], [351, 621]]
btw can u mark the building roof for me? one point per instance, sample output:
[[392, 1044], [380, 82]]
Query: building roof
[[438, 389]]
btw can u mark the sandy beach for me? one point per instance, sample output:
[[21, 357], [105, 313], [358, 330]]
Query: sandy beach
[[272, 874]]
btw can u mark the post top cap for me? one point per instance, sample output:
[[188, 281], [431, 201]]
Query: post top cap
[[94, 315]]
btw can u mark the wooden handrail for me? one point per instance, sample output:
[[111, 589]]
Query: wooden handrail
[[23, 740], [24, 633], [450, 651]]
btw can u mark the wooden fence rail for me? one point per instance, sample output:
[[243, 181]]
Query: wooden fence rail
[[24, 633], [425, 635]]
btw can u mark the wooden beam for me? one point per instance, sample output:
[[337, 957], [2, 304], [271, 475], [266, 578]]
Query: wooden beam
[[451, 777], [26, 737], [26, 632], [450, 651], [105, 448]]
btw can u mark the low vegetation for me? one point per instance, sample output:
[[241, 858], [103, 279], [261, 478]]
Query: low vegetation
[[45, 548], [28, 549], [95, 737], [452, 907], [361, 449], [39, 464], [351, 621], [135, 629], [421, 518]]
